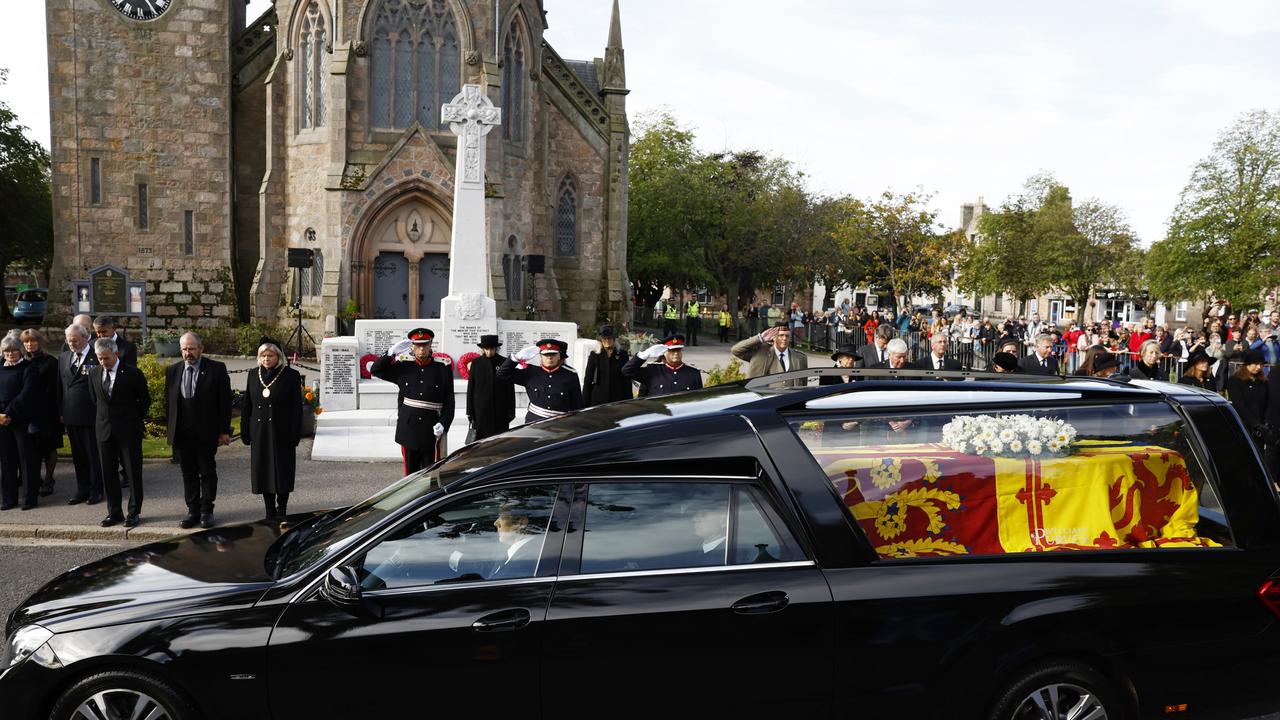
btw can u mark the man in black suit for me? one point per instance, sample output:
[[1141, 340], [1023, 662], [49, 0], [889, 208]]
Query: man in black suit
[[520, 556], [76, 409], [197, 393], [104, 326], [896, 353], [876, 351], [937, 358], [120, 397], [1042, 361]]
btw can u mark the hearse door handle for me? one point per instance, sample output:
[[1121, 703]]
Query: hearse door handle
[[504, 621], [761, 603]]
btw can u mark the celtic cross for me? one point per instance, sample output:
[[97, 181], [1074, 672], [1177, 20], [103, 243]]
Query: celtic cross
[[471, 116]]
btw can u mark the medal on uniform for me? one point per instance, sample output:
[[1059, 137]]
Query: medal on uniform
[[266, 392]]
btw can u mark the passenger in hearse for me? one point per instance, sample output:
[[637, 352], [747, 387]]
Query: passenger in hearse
[[516, 533]]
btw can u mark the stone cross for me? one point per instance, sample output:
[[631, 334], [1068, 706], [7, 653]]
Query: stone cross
[[471, 116]]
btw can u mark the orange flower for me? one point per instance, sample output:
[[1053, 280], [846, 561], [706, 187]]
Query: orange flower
[[310, 396], [319, 410]]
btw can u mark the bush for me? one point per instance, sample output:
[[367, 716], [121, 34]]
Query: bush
[[723, 375], [153, 368]]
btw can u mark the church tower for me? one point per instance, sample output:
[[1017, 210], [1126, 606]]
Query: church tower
[[140, 111]]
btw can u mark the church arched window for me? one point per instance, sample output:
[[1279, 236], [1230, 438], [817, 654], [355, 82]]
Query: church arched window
[[312, 54], [415, 63], [513, 64], [567, 218]]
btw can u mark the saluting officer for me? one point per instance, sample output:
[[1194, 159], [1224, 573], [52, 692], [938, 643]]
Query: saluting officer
[[669, 376], [552, 387], [426, 397]]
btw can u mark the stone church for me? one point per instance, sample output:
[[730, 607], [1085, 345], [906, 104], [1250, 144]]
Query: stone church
[[193, 150]]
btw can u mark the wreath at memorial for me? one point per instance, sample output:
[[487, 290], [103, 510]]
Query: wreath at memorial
[[464, 364], [1011, 436]]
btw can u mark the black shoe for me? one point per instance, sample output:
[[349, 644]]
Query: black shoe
[[46, 491], [206, 521], [93, 500], [132, 521], [189, 521], [77, 499], [29, 506], [110, 520], [8, 506]]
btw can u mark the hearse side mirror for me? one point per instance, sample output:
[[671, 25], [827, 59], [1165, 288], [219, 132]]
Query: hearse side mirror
[[341, 587]]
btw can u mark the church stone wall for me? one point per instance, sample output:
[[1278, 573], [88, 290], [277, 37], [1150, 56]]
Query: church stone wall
[[152, 102]]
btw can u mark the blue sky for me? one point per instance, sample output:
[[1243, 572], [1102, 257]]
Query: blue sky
[[1118, 99]]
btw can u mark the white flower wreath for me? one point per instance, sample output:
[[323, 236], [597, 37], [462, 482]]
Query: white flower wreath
[[1009, 436]]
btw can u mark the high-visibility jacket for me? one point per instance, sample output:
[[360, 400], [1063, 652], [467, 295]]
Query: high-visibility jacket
[[726, 320], [671, 313], [691, 310]]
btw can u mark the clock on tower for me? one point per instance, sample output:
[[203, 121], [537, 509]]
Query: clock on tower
[[141, 9]]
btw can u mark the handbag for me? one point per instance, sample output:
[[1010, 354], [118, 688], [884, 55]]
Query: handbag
[[471, 433]]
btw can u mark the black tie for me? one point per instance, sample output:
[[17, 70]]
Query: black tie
[[189, 385], [106, 383], [782, 359]]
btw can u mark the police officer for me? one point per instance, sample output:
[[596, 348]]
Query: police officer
[[426, 398], [669, 317], [603, 381], [692, 321], [552, 387], [669, 376]]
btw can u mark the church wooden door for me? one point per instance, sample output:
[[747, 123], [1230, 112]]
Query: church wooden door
[[433, 282], [390, 286]]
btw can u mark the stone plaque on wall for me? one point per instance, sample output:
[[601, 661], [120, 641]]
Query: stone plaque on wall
[[377, 336], [109, 288]]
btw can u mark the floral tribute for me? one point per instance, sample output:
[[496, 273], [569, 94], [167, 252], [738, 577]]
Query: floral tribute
[[1010, 436]]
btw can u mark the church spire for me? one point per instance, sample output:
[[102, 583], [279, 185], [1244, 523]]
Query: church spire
[[615, 73]]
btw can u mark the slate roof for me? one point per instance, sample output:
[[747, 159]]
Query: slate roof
[[586, 72]]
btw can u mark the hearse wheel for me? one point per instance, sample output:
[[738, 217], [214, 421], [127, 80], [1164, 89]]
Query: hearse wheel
[[1059, 690], [122, 695]]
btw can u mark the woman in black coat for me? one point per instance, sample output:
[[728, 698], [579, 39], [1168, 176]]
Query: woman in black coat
[[1247, 391], [1198, 373], [271, 424], [46, 368], [1147, 365], [19, 446], [603, 381]]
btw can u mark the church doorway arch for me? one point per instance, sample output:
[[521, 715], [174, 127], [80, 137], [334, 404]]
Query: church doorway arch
[[402, 254]]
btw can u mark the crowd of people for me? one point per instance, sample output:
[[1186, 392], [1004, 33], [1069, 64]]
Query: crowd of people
[[93, 395]]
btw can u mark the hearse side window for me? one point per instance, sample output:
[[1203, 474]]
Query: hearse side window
[[666, 525], [1102, 477], [493, 536]]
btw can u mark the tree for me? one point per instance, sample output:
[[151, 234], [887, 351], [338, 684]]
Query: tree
[[1087, 245], [1224, 235], [26, 201], [1008, 257], [903, 250]]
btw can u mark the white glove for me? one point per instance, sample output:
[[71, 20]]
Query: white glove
[[438, 429], [400, 348], [528, 354], [654, 352]]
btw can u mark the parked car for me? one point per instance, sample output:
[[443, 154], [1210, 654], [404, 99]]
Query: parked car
[[29, 305], [955, 309], [863, 549]]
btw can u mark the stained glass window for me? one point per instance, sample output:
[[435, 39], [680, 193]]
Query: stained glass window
[[567, 218], [416, 63]]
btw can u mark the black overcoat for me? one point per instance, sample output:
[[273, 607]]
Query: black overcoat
[[74, 401], [603, 381], [272, 427], [491, 401]]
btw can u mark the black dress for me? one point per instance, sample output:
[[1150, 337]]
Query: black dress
[[272, 427], [603, 381], [1140, 371]]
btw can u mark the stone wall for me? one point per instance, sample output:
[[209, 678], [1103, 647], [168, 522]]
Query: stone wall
[[151, 101]]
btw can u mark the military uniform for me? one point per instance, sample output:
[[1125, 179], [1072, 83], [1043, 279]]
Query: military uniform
[[661, 378], [426, 398], [551, 393]]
